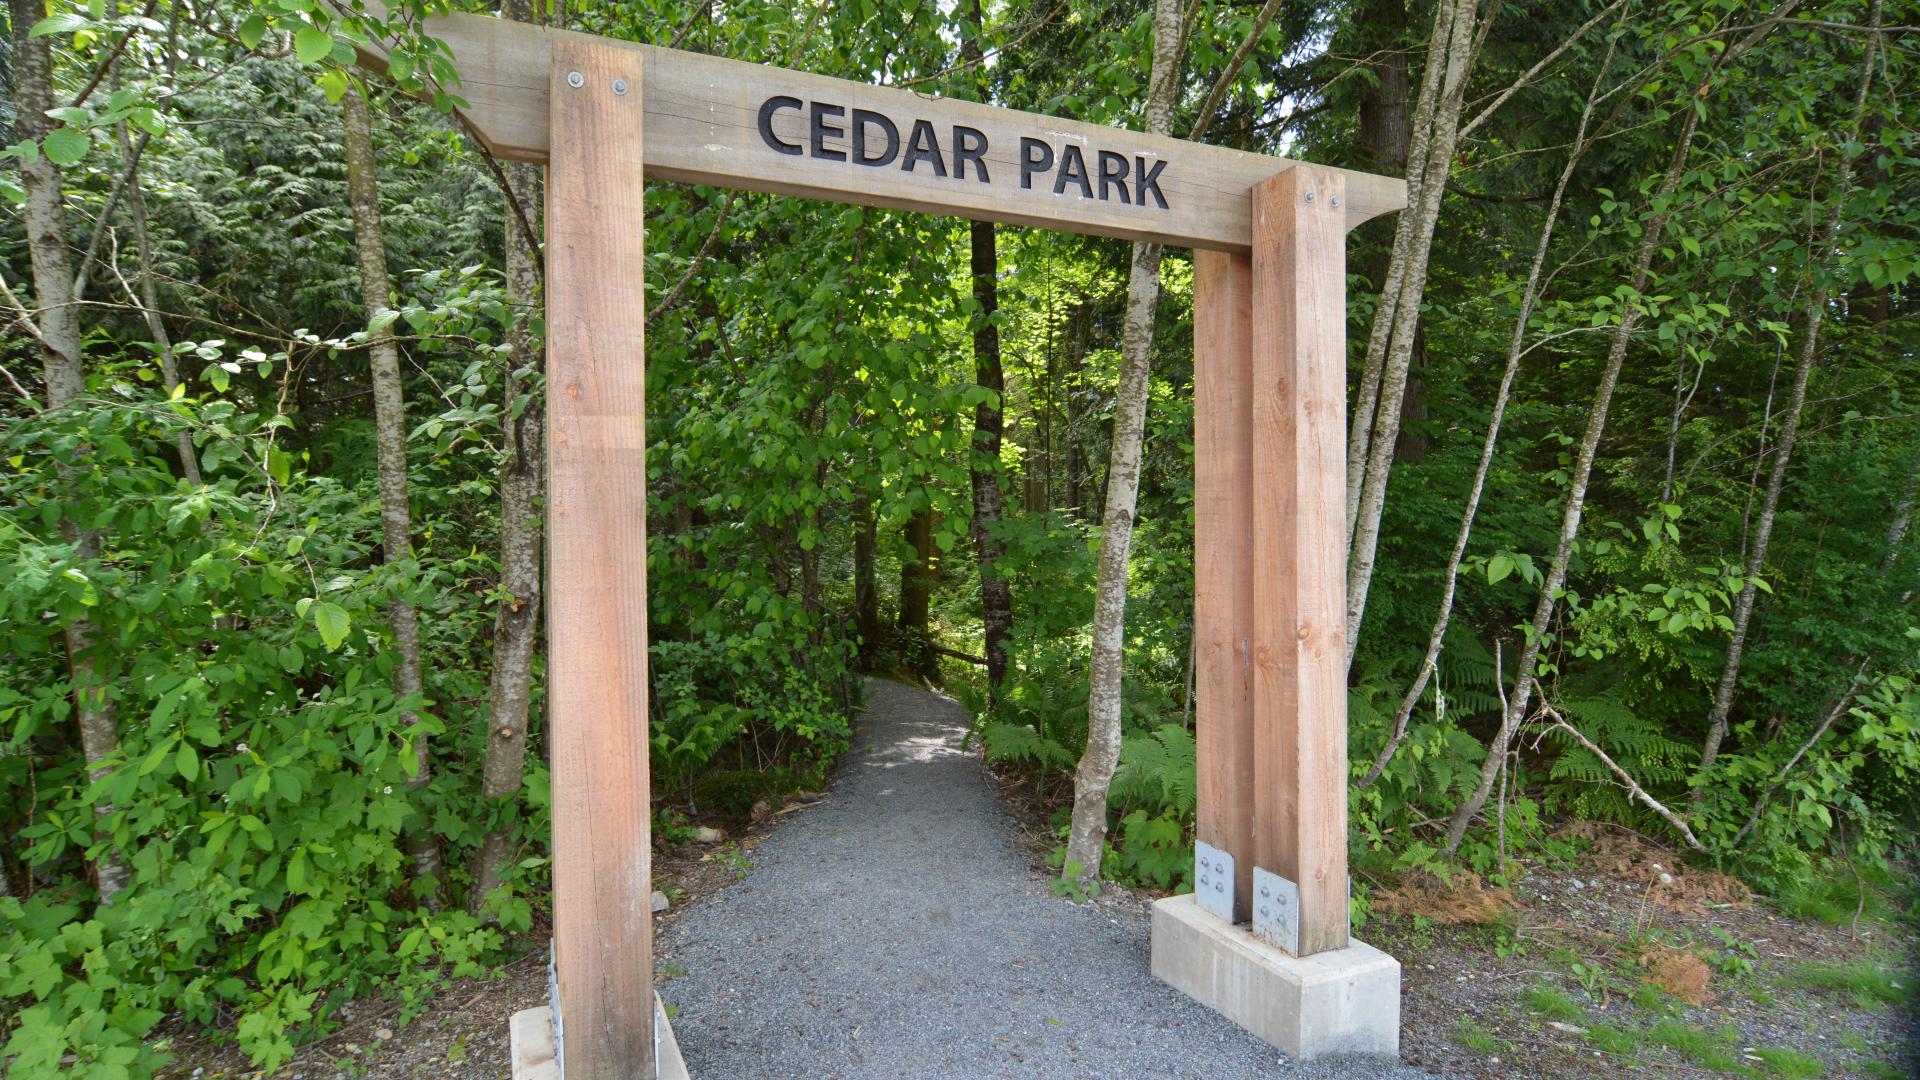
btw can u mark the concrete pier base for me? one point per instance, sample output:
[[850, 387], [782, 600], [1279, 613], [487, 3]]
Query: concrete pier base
[[1341, 1002], [532, 1037]]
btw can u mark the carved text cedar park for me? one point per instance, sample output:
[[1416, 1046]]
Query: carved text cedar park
[[872, 139]]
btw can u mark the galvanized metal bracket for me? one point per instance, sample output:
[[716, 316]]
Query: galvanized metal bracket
[[1213, 880], [1276, 911]]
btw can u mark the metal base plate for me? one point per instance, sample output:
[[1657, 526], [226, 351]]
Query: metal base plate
[[1276, 911], [1213, 880]]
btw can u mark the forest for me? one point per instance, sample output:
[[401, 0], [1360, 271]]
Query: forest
[[1632, 469]]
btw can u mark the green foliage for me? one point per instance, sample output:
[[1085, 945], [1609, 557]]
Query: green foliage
[[1868, 982]]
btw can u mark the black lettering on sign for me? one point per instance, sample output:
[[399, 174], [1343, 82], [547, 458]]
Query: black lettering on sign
[[821, 130], [969, 144], [923, 145], [1113, 171], [1146, 180], [861, 119], [774, 105], [1073, 170], [870, 138], [1035, 157]]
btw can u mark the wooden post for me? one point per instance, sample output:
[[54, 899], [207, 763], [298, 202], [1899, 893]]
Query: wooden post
[[1299, 527], [597, 545], [1223, 559]]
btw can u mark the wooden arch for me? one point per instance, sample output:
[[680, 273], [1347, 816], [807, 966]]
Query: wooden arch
[[1270, 434]]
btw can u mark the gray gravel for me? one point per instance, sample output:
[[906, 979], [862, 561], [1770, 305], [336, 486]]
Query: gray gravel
[[896, 930]]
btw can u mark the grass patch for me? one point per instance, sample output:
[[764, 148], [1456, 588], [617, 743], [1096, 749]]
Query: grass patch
[[1869, 984], [1882, 1070], [1554, 1004], [1707, 1049], [1479, 1040], [1835, 896], [1791, 1063], [1621, 1042], [1852, 1041]]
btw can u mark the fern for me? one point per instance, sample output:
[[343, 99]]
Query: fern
[[1636, 744], [1157, 770], [1021, 744]]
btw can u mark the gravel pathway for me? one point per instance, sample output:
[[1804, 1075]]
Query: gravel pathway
[[895, 930]]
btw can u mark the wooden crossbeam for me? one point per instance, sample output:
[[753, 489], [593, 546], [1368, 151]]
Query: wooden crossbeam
[[704, 125]]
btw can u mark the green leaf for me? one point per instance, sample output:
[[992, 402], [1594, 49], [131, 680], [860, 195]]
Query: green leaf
[[1498, 567], [64, 146], [252, 31], [187, 760], [332, 621], [312, 45], [334, 85], [64, 23]]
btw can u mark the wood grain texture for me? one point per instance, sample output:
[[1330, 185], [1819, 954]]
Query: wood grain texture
[[1299, 526], [1223, 559], [597, 544], [702, 126]]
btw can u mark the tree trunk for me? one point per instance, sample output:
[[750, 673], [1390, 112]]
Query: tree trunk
[[1523, 680], [866, 592], [917, 573], [516, 619], [1087, 836], [390, 426], [43, 218], [1390, 345], [1516, 348], [1789, 432], [996, 596], [148, 301]]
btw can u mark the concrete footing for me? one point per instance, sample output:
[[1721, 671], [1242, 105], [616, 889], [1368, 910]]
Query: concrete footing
[[532, 1036], [1341, 1002]]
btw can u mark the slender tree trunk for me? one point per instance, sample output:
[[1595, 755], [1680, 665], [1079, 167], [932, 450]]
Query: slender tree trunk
[[1373, 453], [1367, 395], [1087, 836], [1576, 491], [1516, 705], [866, 592], [390, 425], [996, 596], [148, 299], [58, 323], [516, 619], [917, 573], [1516, 348], [1789, 433]]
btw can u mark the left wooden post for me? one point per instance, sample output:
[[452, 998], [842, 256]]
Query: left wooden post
[[597, 566]]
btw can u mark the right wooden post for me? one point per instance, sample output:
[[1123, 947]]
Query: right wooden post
[[1299, 545]]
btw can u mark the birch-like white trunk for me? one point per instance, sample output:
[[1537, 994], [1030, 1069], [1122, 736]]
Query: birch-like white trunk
[[57, 321], [1086, 838], [1396, 324], [390, 436], [1516, 348], [1576, 493], [1717, 716]]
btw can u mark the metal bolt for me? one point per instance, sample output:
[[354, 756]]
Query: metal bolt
[[1265, 892], [620, 87], [1203, 880], [1263, 910], [1334, 202], [576, 80], [1309, 196]]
